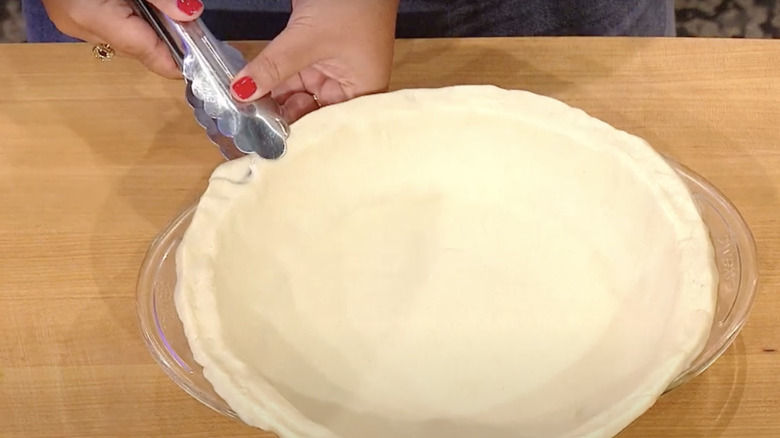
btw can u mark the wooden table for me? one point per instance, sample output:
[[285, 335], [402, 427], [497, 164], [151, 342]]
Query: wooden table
[[95, 158]]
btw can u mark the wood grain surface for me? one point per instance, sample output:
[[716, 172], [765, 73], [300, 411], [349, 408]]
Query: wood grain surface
[[95, 158]]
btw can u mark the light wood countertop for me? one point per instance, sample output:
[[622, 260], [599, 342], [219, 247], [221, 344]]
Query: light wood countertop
[[95, 158]]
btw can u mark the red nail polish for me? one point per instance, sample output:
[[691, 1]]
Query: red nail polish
[[244, 87], [189, 7]]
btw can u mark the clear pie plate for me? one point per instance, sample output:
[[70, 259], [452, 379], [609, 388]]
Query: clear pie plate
[[735, 254]]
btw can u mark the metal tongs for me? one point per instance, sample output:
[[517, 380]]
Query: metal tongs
[[209, 66]]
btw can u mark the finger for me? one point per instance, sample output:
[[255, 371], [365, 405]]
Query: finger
[[179, 10], [330, 92], [290, 52], [291, 86], [297, 106], [312, 81], [159, 65], [117, 25], [165, 70]]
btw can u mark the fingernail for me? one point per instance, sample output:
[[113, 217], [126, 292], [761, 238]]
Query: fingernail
[[244, 87], [189, 7]]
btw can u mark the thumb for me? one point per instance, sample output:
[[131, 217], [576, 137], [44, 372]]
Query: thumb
[[286, 55], [179, 10]]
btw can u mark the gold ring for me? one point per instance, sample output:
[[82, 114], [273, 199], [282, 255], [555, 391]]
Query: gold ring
[[103, 52], [316, 100]]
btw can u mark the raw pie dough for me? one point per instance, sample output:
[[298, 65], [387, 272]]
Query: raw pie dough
[[446, 263]]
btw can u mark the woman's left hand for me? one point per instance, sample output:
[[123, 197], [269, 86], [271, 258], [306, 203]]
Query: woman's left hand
[[330, 51]]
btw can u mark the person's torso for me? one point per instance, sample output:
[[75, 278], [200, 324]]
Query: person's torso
[[464, 18], [264, 19]]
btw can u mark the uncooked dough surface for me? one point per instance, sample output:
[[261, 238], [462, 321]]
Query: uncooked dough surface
[[445, 263]]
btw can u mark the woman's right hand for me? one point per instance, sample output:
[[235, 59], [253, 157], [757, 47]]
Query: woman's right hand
[[114, 22]]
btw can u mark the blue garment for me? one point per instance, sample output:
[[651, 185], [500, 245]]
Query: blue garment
[[264, 19]]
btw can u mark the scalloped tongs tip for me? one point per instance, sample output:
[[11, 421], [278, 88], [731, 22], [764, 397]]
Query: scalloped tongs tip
[[209, 66]]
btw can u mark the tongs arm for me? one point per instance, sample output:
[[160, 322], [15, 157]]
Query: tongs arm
[[209, 66]]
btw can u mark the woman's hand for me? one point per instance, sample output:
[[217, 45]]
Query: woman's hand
[[332, 49], [113, 22]]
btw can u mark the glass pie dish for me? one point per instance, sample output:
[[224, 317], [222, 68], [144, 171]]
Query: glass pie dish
[[735, 255]]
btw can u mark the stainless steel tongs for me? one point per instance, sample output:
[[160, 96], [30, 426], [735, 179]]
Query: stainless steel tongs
[[209, 66]]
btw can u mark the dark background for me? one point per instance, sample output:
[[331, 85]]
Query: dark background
[[707, 18]]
